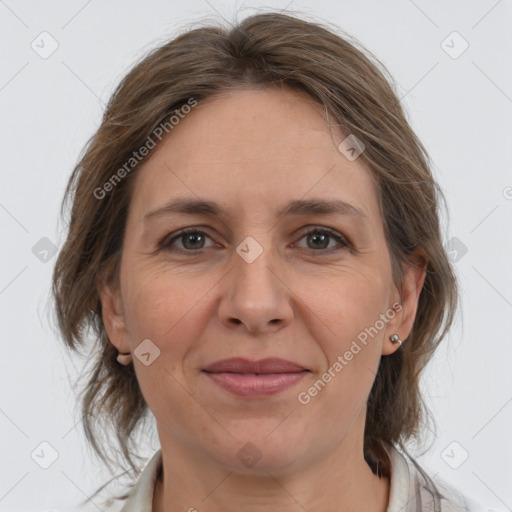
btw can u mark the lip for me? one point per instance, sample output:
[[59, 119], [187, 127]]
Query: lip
[[255, 378], [242, 365]]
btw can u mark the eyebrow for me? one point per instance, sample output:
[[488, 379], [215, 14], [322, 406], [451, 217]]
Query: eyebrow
[[294, 207]]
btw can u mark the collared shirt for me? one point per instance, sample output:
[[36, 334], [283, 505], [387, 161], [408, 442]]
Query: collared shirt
[[411, 489]]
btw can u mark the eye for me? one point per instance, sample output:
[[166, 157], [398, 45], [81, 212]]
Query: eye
[[191, 240], [188, 241], [319, 239]]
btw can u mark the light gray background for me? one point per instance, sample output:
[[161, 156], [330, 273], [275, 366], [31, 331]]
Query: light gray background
[[461, 109]]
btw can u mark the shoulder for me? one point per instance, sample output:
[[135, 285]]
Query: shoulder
[[140, 495], [103, 504], [413, 490]]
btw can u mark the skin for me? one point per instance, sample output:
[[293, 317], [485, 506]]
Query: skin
[[252, 151]]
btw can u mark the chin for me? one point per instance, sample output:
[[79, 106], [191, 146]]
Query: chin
[[251, 460], [265, 450]]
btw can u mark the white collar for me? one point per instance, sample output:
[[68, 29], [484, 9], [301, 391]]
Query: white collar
[[411, 489]]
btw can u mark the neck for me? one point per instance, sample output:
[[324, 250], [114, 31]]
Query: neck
[[343, 478]]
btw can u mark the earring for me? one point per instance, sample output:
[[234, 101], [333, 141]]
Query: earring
[[124, 359], [395, 339]]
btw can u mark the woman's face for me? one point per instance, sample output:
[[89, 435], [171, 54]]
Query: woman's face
[[271, 272]]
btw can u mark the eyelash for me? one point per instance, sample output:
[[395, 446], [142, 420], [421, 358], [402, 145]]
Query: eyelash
[[166, 243]]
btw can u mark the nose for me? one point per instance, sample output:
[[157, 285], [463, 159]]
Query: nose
[[255, 298]]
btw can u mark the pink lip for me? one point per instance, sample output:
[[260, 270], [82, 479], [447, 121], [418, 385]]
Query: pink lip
[[241, 365], [255, 378]]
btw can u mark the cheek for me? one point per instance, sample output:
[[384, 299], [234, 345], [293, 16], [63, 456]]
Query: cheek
[[352, 303], [162, 308], [156, 306], [170, 308], [350, 335]]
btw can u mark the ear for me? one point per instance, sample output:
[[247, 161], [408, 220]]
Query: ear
[[113, 315], [408, 297]]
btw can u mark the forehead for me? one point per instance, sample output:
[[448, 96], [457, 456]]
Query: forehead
[[254, 151]]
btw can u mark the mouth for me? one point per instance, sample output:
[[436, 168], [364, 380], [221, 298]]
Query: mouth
[[253, 379]]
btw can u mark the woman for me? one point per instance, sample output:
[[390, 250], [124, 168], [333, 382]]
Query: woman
[[254, 239]]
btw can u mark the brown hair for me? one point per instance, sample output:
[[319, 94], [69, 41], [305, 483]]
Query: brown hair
[[354, 88]]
